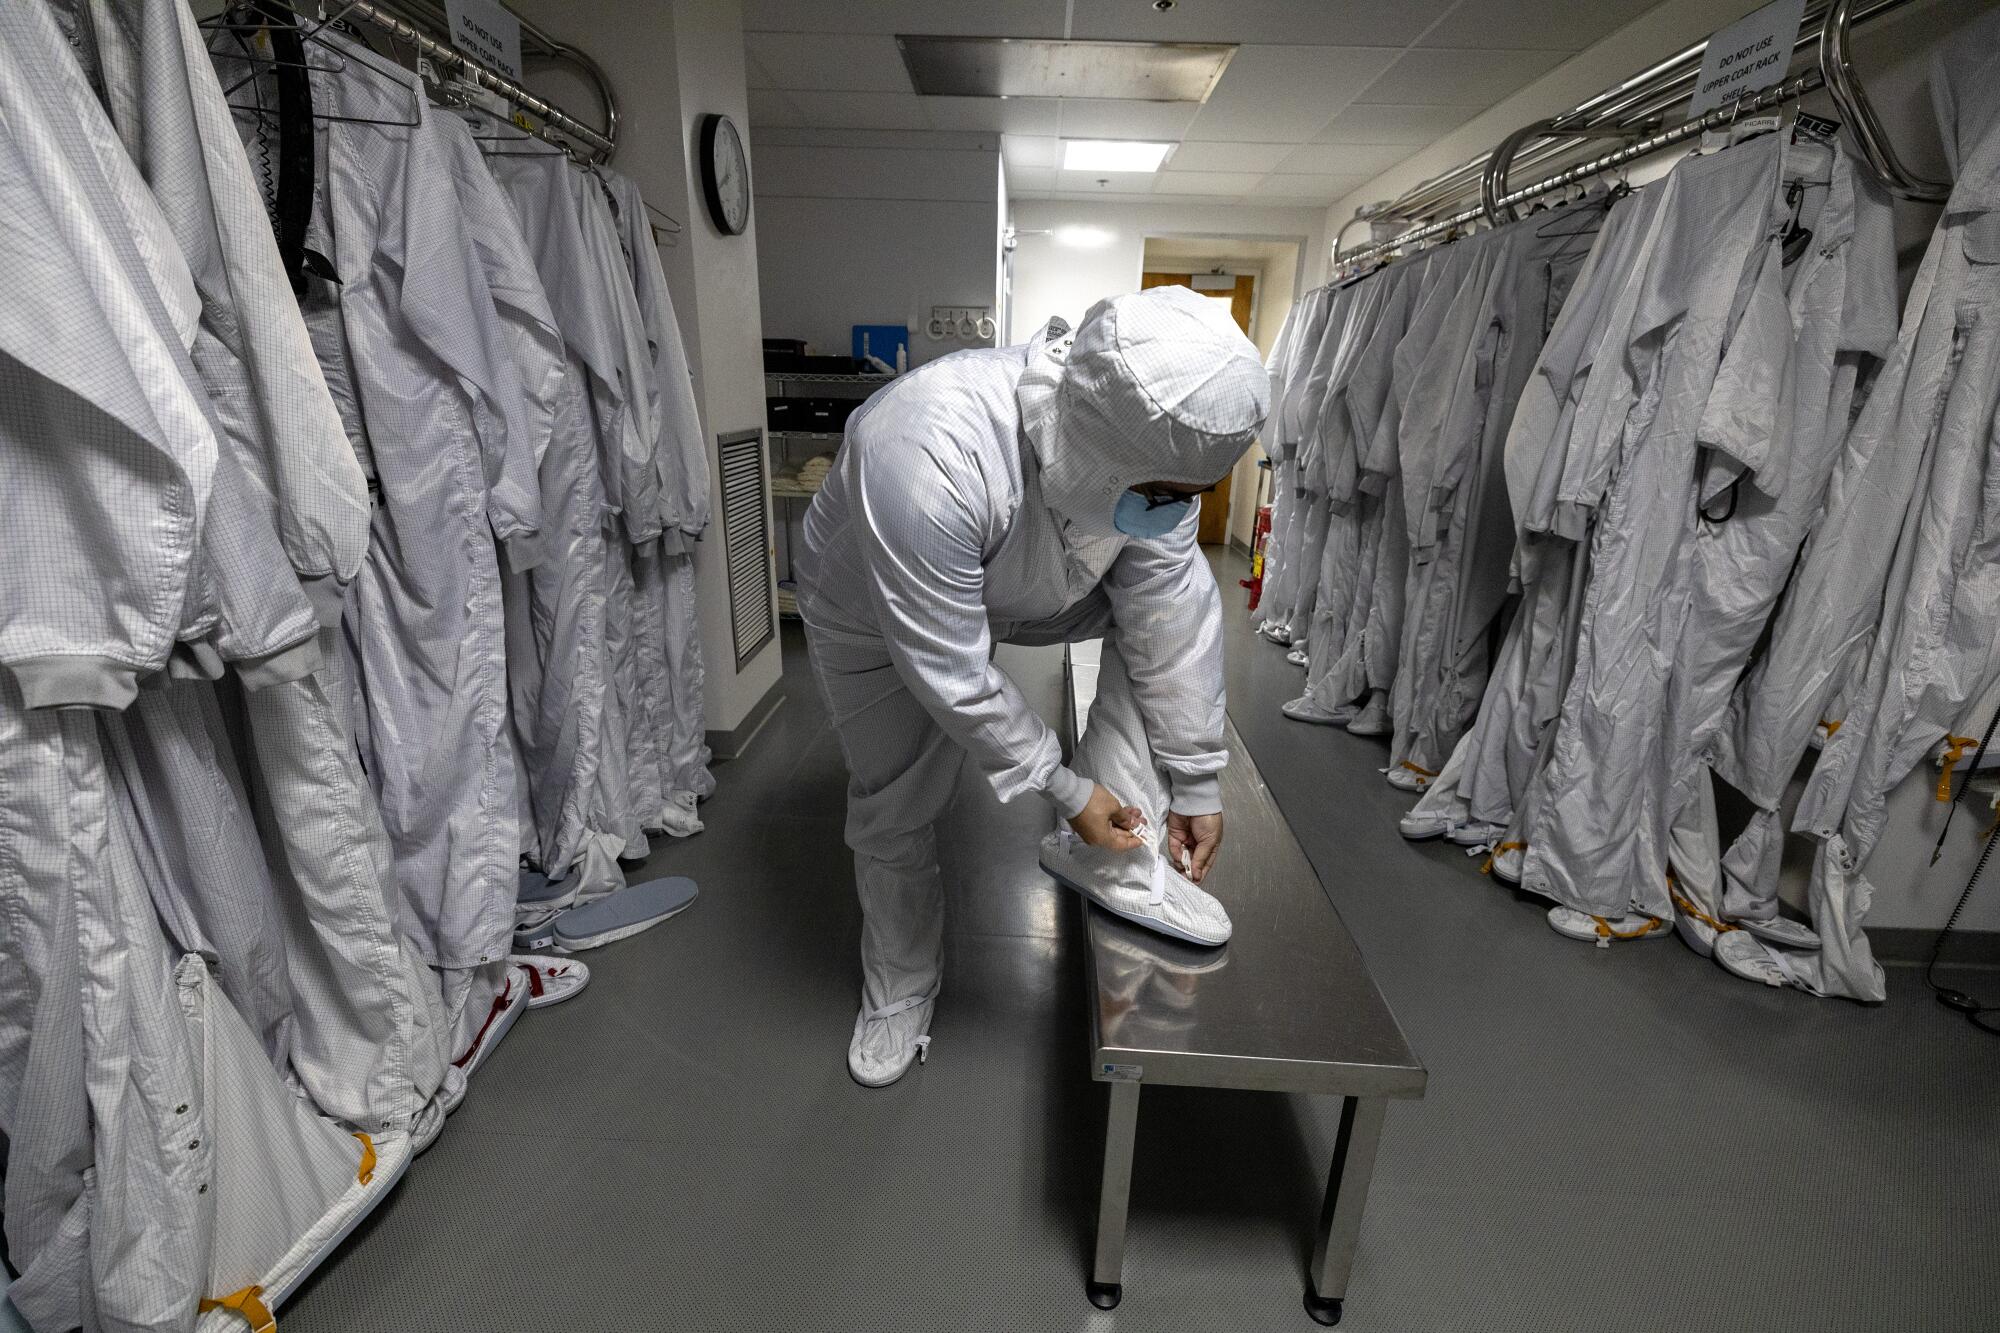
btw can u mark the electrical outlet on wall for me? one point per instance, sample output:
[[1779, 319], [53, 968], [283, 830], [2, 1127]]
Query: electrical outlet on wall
[[965, 323]]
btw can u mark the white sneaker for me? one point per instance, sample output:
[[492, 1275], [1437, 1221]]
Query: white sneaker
[[1373, 719], [1306, 709], [1506, 863], [1604, 931], [678, 817], [1139, 886], [887, 1041]]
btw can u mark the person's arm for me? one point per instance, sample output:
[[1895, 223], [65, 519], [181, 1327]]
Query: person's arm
[[923, 527], [1167, 621]]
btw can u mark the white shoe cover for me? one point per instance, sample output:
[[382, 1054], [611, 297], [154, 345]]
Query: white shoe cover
[[1744, 955], [1404, 778], [1696, 933], [1140, 886], [678, 817], [1418, 826], [887, 1041], [1506, 862], [1305, 709], [1297, 657], [1277, 633], [1474, 833], [1373, 719], [1605, 931], [1783, 932]]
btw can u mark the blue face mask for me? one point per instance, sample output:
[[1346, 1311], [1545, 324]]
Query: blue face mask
[[1135, 517]]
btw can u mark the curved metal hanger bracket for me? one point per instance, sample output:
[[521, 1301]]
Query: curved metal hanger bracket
[[1836, 66], [1493, 180]]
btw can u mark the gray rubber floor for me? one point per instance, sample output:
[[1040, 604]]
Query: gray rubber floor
[[1622, 1139]]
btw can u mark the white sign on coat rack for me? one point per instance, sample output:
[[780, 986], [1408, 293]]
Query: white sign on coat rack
[[488, 32], [1748, 56]]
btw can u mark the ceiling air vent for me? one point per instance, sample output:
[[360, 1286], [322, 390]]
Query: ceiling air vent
[[1035, 67]]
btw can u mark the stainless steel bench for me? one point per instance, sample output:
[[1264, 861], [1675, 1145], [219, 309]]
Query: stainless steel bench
[[1286, 1006]]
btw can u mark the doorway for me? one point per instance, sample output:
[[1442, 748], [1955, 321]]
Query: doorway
[[1239, 292]]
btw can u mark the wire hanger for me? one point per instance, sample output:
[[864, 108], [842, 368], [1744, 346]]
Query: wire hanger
[[277, 14]]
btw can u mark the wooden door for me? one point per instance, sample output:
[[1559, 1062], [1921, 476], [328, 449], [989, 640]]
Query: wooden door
[[1214, 526]]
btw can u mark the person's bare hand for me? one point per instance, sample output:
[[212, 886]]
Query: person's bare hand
[[1193, 840], [1108, 822]]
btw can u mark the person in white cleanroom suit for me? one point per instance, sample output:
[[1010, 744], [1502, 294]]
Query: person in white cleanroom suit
[[1036, 494]]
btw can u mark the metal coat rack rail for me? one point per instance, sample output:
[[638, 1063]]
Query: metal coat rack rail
[[401, 19], [1633, 111]]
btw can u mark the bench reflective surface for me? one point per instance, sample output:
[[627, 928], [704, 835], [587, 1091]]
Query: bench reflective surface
[[1286, 1006]]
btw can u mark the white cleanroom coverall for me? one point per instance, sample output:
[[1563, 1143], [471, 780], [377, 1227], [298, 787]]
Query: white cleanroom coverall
[[1927, 437], [973, 505], [1461, 527], [1922, 399], [1841, 307], [432, 392], [1289, 416], [664, 574], [1599, 846], [1523, 695]]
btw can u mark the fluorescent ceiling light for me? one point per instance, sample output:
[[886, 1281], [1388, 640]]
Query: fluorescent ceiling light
[[1113, 155], [1084, 238]]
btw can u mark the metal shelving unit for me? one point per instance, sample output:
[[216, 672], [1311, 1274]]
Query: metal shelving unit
[[790, 449]]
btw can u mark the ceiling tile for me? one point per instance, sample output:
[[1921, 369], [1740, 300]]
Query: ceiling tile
[[1264, 22], [1087, 118], [841, 62], [1307, 189], [1428, 77], [1257, 157], [998, 18], [1280, 94], [1014, 115], [1030, 180], [770, 109], [1024, 150], [1114, 182], [1411, 126], [860, 111], [1540, 25], [1342, 159], [1207, 182]]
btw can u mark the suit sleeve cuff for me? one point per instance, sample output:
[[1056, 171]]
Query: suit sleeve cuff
[[1068, 792], [1200, 795]]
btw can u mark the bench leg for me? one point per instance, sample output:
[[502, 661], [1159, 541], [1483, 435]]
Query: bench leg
[[1121, 1130], [1346, 1196]]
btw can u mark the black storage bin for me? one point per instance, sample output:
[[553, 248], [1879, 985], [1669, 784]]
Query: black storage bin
[[784, 413], [824, 414]]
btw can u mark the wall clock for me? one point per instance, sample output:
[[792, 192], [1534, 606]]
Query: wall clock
[[725, 175]]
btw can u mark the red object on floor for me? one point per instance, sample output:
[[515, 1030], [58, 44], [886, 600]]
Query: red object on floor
[[1259, 532]]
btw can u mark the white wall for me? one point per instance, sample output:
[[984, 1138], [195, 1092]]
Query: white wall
[[865, 227], [669, 63], [1071, 255]]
